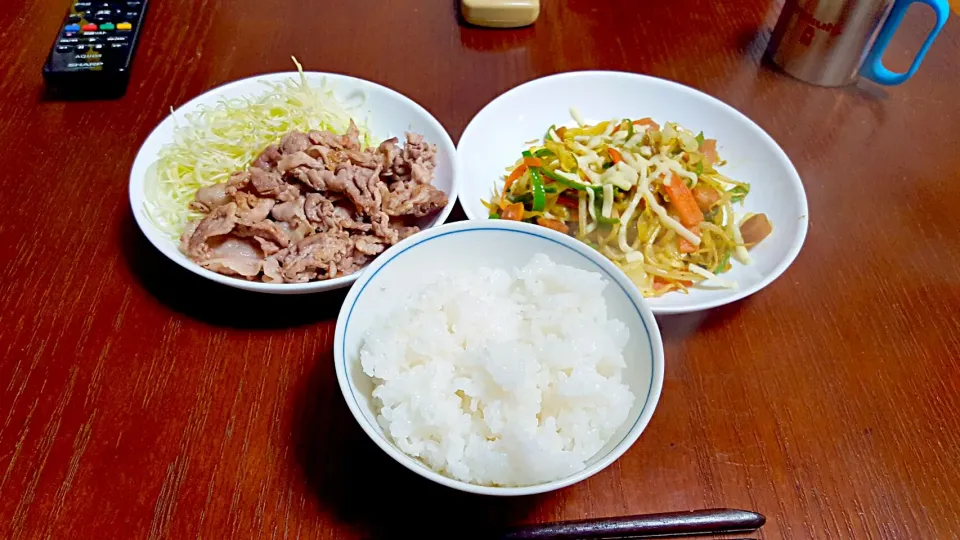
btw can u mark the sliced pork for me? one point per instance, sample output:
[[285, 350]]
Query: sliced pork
[[314, 206], [235, 256]]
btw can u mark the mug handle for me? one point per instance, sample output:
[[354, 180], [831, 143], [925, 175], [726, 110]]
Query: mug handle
[[873, 68]]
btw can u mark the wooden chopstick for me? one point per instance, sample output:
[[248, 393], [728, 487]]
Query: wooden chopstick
[[692, 523]]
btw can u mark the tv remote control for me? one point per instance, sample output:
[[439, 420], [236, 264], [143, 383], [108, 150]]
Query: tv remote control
[[95, 46]]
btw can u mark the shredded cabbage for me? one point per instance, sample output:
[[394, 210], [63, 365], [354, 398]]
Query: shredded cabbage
[[215, 141]]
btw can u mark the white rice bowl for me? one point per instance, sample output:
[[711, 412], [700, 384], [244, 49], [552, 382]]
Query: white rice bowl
[[501, 377]]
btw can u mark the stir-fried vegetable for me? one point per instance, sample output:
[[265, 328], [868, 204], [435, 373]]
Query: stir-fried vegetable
[[215, 141], [682, 201], [649, 198]]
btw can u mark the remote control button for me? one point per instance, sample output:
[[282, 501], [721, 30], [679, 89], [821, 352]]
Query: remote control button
[[92, 40], [69, 41], [89, 27], [81, 48], [118, 39], [116, 46], [134, 4], [106, 27], [131, 15], [82, 6], [74, 17], [72, 28], [124, 27], [64, 48]]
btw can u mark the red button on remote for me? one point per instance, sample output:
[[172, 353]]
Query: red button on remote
[[89, 27]]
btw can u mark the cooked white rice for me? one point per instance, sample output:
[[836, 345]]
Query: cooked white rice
[[501, 378]]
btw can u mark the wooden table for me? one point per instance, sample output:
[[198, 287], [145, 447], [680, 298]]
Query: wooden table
[[139, 401]]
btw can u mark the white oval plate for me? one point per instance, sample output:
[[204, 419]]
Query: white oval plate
[[496, 135], [386, 114]]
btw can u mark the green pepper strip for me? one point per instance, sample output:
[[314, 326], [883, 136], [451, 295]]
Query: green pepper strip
[[567, 182], [536, 185], [528, 197], [629, 129], [601, 219], [543, 152], [723, 263], [739, 193], [607, 220], [699, 138], [547, 136], [494, 216]]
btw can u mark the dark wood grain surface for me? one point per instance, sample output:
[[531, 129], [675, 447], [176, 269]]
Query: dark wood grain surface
[[139, 401]]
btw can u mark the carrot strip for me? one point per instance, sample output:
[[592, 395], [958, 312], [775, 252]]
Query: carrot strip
[[532, 162], [615, 155], [513, 212], [514, 176], [659, 283], [647, 122], [641, 122], [554, 224], [685, 245], [682, 201]]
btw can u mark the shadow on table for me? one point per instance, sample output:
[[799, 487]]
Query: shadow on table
[[677, 328], [213, 303], [364, 488]]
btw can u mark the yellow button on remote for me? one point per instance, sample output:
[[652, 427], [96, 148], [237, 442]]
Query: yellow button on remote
[[124, 26]]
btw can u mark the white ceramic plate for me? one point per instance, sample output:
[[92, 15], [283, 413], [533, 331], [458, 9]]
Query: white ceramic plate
[[497, 244], [386, 113], [496, 135]]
